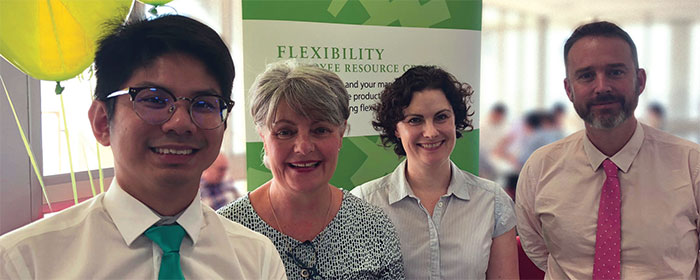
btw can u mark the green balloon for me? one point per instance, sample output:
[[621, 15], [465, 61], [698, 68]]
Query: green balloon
[[155, 2]]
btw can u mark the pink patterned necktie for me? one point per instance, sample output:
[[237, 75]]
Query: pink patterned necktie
[[606, 264]]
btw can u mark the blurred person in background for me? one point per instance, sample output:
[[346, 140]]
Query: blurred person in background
[[542, 130], [490, 133], [216, 190], [566, 121], [504, 155], [536, 129], [559, 117], [655, 115]]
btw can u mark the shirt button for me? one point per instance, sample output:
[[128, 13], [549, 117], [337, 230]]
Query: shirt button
[[440, 204]]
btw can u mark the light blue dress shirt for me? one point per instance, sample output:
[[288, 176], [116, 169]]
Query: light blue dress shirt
[[453, 243]]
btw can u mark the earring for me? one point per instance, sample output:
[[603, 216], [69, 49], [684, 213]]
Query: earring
[[264, 159]]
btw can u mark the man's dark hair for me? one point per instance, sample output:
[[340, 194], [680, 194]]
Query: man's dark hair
[[398, 95], [499, 108], [534, 119], [135, 45], [657, 109], [603, 29], [558, 108]]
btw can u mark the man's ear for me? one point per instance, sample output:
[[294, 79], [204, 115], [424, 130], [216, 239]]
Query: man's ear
[[569, 91], [641, 80], [99, 122]]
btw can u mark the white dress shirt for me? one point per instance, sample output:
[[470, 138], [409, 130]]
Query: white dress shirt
[[102, 238], [453, 243]]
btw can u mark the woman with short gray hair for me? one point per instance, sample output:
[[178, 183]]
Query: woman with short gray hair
[[320, 231], [313, 92]]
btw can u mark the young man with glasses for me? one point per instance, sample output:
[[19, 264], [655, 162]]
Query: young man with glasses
[[162, 98]]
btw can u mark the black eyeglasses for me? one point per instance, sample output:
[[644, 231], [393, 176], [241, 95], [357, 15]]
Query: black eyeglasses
[[156, 106], [301, 252]]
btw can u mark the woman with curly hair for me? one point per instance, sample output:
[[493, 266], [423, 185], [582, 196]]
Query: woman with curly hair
[[451, 224]]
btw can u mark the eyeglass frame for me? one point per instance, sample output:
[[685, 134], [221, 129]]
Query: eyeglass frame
[[312, 270], [133, 91]]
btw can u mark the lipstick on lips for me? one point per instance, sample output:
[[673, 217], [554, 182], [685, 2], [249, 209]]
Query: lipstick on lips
[[432, 145], [304, 166]]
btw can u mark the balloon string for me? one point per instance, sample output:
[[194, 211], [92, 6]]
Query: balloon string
[[70, 158], [99, 167], [91, 71], [97, 147], [26, 146], [89, 172]]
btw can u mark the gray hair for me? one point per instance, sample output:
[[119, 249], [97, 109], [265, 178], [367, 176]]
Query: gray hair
[[313, 92]]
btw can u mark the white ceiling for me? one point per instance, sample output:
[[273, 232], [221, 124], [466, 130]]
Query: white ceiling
[[574, 12]]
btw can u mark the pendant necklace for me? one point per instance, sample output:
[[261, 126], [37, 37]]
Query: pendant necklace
[[306, 270]]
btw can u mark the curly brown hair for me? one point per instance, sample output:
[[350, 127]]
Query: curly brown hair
[[398, 95]]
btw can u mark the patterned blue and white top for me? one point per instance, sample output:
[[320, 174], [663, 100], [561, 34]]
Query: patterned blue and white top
[[359, 243], [453, 243]]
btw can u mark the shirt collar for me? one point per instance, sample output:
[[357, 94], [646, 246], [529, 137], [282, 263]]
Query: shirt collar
[[403, 189], [623, 158], [132, 218], [458, 183], [192, 219], [398, 179]]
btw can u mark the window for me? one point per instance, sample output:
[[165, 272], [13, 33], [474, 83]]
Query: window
[[77, 98], [517, 71]]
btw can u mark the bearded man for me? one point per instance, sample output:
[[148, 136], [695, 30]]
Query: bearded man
[[618, 199]]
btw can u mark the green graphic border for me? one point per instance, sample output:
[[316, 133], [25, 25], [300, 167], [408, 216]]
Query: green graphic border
[[355, 166], [448, 14]]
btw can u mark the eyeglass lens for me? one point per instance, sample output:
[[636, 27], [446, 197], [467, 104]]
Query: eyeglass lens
[[156, 106], [304, 256]]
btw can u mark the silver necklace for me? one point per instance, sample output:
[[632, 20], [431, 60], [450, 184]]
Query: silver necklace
[[306, 270]]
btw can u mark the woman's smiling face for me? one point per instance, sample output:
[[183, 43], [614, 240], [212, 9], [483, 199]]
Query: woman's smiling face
[[301, 153], [427, 131]]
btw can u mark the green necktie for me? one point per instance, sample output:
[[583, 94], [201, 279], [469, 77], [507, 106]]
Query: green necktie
[[168, 237]]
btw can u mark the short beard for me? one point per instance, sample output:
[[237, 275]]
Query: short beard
[[606, 122]]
